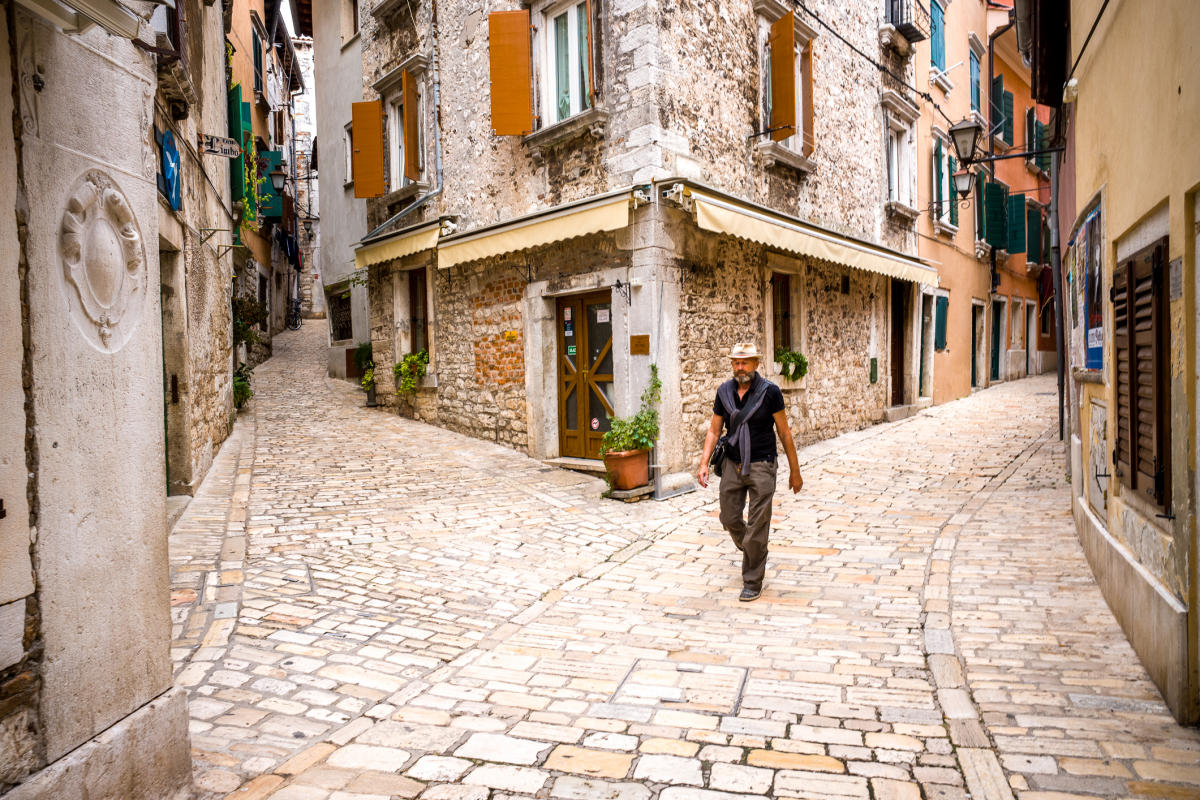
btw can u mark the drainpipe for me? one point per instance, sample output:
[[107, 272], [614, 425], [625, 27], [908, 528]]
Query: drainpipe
[[437, 134], [991, 168], [1056, 272]]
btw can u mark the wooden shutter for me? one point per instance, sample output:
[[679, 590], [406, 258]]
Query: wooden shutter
[[1016, 224], [366, 147], [939, 323], [412, 144], [1043, 141], [937, 179], [782, 45], [995, 212], [1008, 117], [951, 168], [237, 166], [511, 72], [1140, 351], [1033, 236], [996, 103], [806, 75]]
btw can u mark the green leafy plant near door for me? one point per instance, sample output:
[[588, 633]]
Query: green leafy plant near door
[[241, 386], [640, 431], [792, 364], [409, 371]]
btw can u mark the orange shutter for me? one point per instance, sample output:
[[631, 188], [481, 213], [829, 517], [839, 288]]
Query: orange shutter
[[512, 76], [366, 145], [412, 144], [782, 43], [806, 74]]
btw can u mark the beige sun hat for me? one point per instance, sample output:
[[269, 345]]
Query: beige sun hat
[[744, 350]]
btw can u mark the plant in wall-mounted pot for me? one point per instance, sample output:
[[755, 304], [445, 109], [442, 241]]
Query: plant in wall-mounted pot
[[409, 371], [792, 364], [625, 447]]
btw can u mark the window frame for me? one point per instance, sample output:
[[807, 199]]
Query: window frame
[[544, 49], [803, 141], [975, 64], [348, 153], [937, 36], [404, 291], [796, 273]]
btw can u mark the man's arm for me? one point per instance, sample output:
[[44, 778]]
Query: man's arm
[[795, 482], [710, 442]]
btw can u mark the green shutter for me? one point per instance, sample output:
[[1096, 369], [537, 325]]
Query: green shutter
[[270, 203], [1016, 224], [939, 324], [1043, 141], [1033, 236], [951, 168], [995, 212], [1008, 117], [237, 166], [996, 103], [937, 179]]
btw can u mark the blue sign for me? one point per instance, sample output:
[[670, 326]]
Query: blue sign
[[170, 169]]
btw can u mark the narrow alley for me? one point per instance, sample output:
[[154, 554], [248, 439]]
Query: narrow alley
[[365, 606]]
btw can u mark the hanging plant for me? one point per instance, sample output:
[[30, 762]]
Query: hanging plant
[[792, 364]]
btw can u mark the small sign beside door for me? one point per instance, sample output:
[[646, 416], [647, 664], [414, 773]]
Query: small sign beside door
[[639, 345], [601, 316], [595, 424], [219, 146], [570, 349]]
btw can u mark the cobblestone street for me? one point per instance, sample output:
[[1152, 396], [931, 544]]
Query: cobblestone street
[[368, 607]]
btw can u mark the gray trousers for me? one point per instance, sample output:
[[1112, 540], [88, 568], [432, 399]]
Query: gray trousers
[[749, 533]]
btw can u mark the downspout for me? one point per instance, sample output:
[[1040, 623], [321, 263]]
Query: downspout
[[437, 133]]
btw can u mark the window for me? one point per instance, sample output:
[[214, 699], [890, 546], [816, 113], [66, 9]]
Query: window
[[1140, 349], [403, 93], [937, 36], [1002, 111], [348, 149], [781, 310], [418, 284], [945, 203], [340, 317], [349, 19], [785, 45], [897, 166], [258, 61], [1018, 324], [975, 104], [566, 77]]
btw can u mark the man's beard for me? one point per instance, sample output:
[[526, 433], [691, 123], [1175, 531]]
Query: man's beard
[[742, 379]]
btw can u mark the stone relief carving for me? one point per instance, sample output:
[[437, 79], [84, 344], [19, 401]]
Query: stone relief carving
[[148, 150], [103, 262], [1097, 469]]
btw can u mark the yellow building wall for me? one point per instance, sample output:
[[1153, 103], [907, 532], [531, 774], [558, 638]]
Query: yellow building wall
[[240, 35]]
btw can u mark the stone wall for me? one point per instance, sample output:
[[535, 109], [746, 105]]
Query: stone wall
[[723, 300]]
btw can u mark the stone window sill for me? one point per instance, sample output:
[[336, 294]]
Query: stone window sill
[[350, 41], [904, 211], [411, 189], [999, 145], [592, 122], [939, 79], [944, 228], [787, 385], [775, 154], [982, 249]]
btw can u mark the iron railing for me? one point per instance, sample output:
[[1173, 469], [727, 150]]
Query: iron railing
[[910, 18]]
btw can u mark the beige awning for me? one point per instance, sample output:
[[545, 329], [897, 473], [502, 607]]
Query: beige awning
[[607, 213], [784, 233], [401, 243]]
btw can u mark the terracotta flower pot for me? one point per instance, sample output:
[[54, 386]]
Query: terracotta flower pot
[[628, 469]]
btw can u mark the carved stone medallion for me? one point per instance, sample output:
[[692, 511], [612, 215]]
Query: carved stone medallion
[[103, 262]]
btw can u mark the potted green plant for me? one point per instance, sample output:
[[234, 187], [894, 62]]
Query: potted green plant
[[368, 383], [242, 392], [625, 447]]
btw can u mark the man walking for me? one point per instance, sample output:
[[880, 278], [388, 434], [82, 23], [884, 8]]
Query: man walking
[[752, 409]]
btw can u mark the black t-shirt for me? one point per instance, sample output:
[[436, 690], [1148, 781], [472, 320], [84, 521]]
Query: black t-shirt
[[762, 424]]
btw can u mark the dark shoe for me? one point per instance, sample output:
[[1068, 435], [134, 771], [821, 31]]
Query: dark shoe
[[749, 594]]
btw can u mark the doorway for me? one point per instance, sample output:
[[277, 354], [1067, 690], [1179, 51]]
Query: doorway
[[899, 314], [585, 372], [174, 353], [1030, 339], [976, 329]]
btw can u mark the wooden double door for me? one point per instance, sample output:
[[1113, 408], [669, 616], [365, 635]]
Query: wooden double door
[[585, 372]]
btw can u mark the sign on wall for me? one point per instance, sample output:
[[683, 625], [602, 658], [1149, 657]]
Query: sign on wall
[[170, 170], [1093, 309], [219, 146]]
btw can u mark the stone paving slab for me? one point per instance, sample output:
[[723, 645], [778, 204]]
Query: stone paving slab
[[365, 606]]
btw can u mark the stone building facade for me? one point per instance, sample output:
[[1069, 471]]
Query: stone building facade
[[304, 173], [648, 203], [87, 706]]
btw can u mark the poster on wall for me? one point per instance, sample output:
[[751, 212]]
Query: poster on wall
[[1094, 302]]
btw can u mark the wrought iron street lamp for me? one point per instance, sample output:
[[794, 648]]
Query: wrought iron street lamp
[[278, 178], [963, 181], [965, 136]]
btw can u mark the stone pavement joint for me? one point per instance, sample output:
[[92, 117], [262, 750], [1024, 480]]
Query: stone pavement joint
[[365, 606]]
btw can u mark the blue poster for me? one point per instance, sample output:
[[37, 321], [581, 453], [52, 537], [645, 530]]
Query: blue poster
[[170, 169], [1090, 250]]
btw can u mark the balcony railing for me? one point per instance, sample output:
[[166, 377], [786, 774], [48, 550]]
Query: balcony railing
[[910, 18]]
